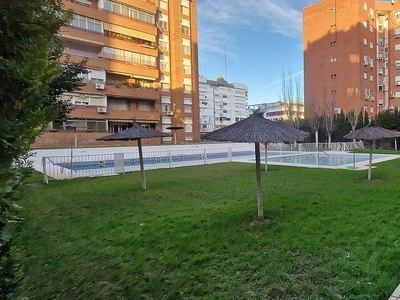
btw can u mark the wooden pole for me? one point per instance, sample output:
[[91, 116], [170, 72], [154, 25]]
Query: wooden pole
[[266, 161], [143, 176], [258, 176], [370, 159]]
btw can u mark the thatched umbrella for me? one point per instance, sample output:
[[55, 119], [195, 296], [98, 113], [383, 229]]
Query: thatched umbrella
[[371, 133], [256, 129], [135, 133]]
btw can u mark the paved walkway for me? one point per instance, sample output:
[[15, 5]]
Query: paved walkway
[[396, 294]]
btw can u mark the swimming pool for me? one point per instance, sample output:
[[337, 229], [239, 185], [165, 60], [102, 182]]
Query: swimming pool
[[325, 159]]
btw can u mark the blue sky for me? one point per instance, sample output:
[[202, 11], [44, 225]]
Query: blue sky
[[257, 39]]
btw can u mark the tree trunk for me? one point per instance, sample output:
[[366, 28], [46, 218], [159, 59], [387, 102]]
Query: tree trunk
[[316, 140]]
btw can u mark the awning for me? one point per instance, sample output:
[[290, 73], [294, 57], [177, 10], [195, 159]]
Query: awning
[[68, 37], [131, 120]]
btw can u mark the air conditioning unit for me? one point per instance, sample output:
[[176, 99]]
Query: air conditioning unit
[[102, 110], [392, 95], [170, 113], [390, 107], [100, 86]]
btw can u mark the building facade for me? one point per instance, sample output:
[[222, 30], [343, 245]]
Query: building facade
[[279, 110], [142, 63], [351, 56], [221, 103]]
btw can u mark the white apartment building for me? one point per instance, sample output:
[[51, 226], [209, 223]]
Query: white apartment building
[[221, 103], [276, 111]]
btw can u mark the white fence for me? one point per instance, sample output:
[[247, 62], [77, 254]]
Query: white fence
[[94, 165]]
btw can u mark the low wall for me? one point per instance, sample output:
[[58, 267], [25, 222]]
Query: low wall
[[56, 140]]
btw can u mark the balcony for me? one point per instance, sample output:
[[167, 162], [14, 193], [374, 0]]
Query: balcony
[[118, 66], [123, 91]]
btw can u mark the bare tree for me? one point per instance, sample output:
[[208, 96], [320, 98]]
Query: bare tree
[[329, 115], [287, 96], [299, 103], [314, 118]]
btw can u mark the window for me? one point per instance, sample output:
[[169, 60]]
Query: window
[[380, 87], [187, 69], [188, 124], [333, 59], [117, 104], [164, 66], [397, 14], [163, 46], [165, 86], [86, 23], [380, 72], [365, 7], [333, 43], [380, 42], [162, 25], [185, 29], [187, 88], [129, 11], [365, 41], [371, 45], [397, 63], [371, 28], [165, 108], [397, 47], [365, 24], [184, 10], [187, 108], [371, 77], [380, 27], [143, 106], [397, 32], [128, 56], [365, 75], [186, 49]]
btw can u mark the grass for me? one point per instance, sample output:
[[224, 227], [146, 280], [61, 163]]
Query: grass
[[330, 234]]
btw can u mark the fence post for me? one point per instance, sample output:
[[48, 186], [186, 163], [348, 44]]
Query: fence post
[[204, 156], [45, 179], [170, 159]]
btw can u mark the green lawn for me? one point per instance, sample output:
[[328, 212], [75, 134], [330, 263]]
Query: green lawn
[[330, 234]]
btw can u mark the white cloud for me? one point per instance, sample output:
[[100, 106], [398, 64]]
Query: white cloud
[[220, 19], [277, 16]]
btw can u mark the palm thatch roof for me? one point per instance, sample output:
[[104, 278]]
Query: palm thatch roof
[[256, 129], [136, 132], [371, 132]]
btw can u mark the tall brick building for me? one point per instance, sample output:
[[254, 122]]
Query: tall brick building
[[351, 56], [143, 64]]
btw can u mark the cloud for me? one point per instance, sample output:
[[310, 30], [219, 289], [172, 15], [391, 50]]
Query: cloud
[[277, 16], [220, 21]]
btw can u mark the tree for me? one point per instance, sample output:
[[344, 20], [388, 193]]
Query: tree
[[329, 116], [287, 96], [314, 119], [33, 78]]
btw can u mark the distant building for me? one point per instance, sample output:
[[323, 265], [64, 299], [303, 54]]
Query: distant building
[[351, 55], [221, 103], [279, 110]]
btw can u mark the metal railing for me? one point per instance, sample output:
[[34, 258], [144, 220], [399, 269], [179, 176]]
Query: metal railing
[[94, 165]]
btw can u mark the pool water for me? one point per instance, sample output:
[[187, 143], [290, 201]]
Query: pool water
[[324, 159]]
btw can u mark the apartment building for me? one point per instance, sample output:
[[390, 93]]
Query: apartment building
[[280, 110], [351, 56], [221, 103], [142, 63]]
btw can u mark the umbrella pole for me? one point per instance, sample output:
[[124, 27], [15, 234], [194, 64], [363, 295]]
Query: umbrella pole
[[370, 159], [143, 176], [258, 175], [266, 162]]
